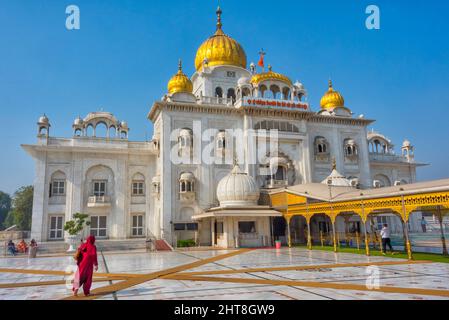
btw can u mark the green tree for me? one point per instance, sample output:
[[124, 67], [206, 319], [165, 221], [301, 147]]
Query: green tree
[[75, 226], [5, 206], [22, 209]]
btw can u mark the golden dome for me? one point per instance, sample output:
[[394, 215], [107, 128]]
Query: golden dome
[[180, 82], [220, 49], [332, 98], [270, 75]]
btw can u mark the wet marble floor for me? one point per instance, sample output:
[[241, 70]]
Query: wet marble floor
[[315, 283]]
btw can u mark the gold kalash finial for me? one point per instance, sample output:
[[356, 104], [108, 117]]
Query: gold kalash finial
[[334, 163], [219, 12], [331, 87], [179, 66]]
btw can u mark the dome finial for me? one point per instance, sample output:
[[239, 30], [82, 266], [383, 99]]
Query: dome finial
[[180, 65], [219, 12], [330, 84], [334, 164], [270, 68]]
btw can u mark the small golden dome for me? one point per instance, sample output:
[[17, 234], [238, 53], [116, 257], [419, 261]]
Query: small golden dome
[[332, 98], [220, 49], [180, 82], [270, 75]]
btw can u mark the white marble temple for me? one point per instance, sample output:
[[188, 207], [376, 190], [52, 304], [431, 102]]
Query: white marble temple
[[427, 276]]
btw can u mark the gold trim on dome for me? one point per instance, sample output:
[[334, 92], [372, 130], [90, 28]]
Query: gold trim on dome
[[270, 75], [332, 98], [220, 49], [179, 82]]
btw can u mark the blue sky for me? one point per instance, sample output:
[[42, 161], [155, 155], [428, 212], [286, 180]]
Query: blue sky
[[125, 52]]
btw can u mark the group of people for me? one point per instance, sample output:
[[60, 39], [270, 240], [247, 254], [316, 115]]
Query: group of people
[[22, 247]]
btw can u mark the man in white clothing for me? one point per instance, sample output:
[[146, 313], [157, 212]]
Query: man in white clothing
[[385, 234]]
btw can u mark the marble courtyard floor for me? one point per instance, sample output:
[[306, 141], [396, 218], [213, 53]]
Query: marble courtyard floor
[[288, 274]]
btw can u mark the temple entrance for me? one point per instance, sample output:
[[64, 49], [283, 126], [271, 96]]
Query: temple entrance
[[279, 229]]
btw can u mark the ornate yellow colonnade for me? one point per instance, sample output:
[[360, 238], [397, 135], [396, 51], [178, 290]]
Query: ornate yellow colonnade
[[291, 205]]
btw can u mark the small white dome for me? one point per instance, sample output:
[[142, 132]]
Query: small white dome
[[237, 189], [43, 120], [78, 121], [124, 125], [187, 176], [406, 144], [299, 85], [156, 179], [185, 132], [243, 81], [351, 142], [337, 179]]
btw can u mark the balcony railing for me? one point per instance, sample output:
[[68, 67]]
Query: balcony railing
[[384, 157], [99, 201], [277, 183], [216, 100]]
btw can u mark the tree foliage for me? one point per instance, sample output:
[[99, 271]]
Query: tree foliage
[[22, 209], [5, 206], [77, 224]]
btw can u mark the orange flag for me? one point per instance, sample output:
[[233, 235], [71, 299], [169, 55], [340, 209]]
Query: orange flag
[[261, 62]]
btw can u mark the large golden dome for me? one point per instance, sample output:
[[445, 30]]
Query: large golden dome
[[180, 82], [220, 49], [270, 75], [332, 98]]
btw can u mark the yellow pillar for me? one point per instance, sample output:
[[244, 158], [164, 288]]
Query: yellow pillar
[[366, 238], [407, 241], [288, 232], [334, 234], [357, 238], [309, 236]]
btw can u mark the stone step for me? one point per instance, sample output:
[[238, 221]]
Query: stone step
[[162, 245]]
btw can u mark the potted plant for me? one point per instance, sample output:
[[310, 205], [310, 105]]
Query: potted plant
[[74, 228]]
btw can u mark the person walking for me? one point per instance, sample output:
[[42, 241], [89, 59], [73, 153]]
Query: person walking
[[424, 225], [86, 257], [386, 240], [33, 249]]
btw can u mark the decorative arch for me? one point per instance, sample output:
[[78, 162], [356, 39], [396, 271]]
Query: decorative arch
[[383, 179]]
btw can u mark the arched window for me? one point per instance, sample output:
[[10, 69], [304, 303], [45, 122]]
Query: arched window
[[246, 92], [321, 145], [221, 140], [101, 130], [286, 93], [231, 94], [281, 174], [57, 184], [90, 130], [275, 91], [350, 148], [138, 185], [185, 141], [262, 90], [219, 92], [112, 131], [186, 182]]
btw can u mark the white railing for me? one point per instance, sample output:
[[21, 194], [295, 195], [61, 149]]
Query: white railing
[[99, 200], [216, 100], [272, 103], [386, 157]]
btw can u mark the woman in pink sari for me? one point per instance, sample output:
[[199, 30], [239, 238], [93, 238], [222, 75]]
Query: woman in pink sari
[[86, 263]]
